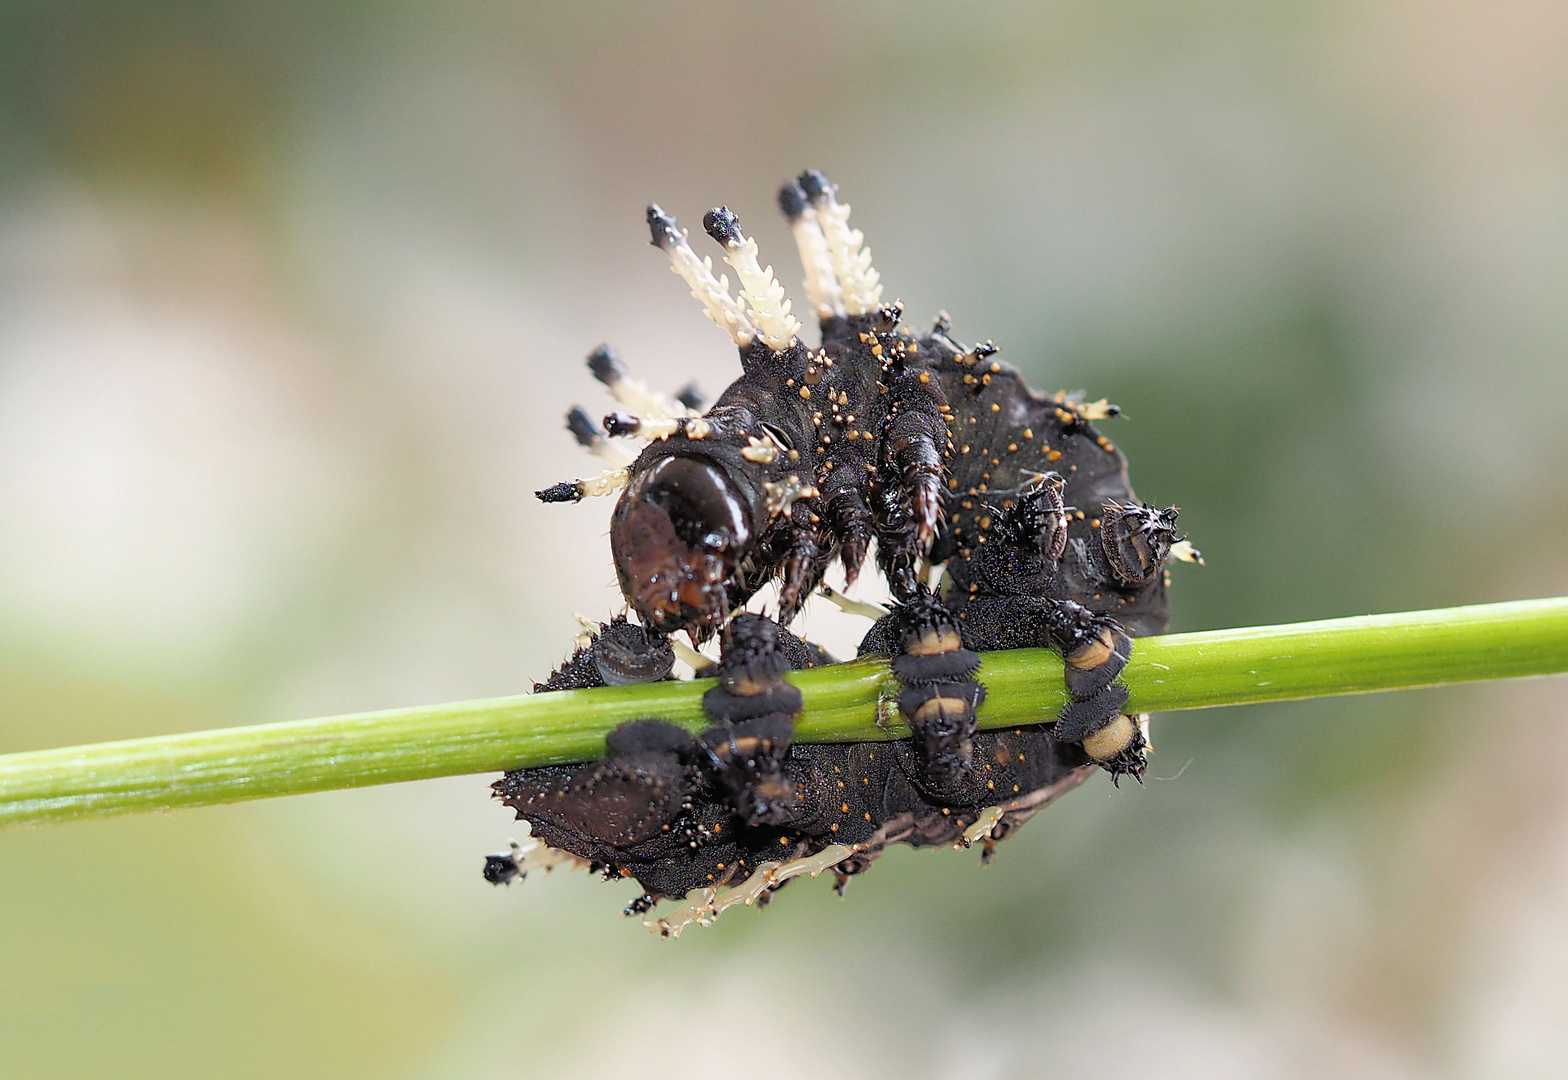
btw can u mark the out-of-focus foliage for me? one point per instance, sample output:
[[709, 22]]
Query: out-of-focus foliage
[[292, 298]]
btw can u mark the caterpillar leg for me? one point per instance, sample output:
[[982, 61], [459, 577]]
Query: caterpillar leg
[[1094, 647], [803, 567], [754, 712], [851, 523], [940, 694], [917, 447], [1095, 650], [1001, 598], [1120, 745], [1136, 541]]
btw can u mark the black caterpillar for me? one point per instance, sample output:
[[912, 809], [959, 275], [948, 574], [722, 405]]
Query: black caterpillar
[[942, 455]]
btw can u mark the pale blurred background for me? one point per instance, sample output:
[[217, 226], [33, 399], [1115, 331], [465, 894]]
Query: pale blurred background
[[293, 297]]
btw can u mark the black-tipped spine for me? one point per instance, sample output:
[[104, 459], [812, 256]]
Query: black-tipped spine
[[792, 201], [664, 233], [582, 427], [502, 868], [722, 224], [606, 366], [816, 186], [618, 425], [567, 491], [690, 396]]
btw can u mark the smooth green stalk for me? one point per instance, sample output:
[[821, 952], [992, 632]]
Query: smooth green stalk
[[843, 702]]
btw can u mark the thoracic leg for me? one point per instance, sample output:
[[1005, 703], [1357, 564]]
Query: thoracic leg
[[916, 450], [1094, 649], [1000, 598], [851, 523], [802, 570]]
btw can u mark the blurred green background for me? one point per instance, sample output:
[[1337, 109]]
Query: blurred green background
[[293, 297]]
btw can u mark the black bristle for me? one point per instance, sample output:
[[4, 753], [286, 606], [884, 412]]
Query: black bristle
[[567, 491], [722, 224], [814, 184], [605, 364], [690, 396], [664, 232], [582, 427], [792, 201]]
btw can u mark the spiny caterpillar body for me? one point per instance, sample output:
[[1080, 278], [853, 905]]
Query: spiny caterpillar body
[[939, 453]]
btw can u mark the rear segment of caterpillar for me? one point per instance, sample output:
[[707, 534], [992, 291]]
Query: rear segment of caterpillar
[[731, 815]]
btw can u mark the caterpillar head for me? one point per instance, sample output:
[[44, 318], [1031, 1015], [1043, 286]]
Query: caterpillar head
[[679, 534]]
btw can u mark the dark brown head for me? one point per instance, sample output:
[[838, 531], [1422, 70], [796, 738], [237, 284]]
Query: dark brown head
[[678, 536]]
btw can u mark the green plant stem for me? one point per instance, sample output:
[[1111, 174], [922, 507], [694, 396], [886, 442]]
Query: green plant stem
[[843, 702]]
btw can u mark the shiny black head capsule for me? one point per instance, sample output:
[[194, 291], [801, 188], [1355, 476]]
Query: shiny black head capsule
[[678, 535]]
